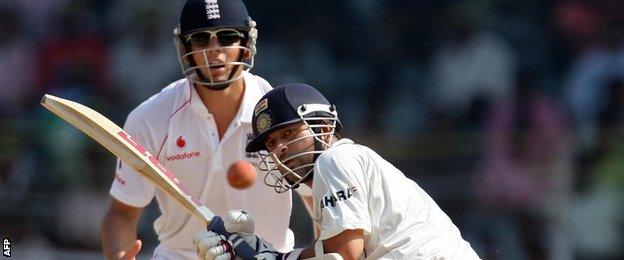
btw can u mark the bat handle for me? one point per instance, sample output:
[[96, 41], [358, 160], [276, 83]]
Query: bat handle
[[242, 249]]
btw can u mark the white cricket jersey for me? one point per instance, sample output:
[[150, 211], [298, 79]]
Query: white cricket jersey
[[354, 188], [180, 131]]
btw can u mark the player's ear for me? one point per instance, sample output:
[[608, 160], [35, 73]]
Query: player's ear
[[327, 137], [327, 129], [247, 55]]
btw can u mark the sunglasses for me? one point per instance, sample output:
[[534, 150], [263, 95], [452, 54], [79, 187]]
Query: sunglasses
[[225, 37]]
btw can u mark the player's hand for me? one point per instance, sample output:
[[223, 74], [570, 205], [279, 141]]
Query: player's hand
[[132, 253], [221, 241], [212, 246]]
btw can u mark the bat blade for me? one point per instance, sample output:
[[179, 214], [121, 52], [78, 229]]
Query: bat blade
[[120, 143]]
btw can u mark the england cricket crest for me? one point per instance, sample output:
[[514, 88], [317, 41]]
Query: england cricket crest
[[212, 9]]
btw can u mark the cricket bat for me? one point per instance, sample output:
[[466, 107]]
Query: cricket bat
[[120, 143]]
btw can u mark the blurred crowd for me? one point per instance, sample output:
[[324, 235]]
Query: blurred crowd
[[509, 113]]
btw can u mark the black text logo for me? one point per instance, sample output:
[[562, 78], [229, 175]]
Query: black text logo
[[341, 195]]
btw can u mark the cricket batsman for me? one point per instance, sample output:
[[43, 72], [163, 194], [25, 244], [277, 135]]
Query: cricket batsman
[[363, 205]]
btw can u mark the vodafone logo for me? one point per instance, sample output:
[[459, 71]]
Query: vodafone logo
[[182, 156], [180, 142], [161, 171]]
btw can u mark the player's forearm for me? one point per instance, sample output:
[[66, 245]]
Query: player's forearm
[[349, 244], [118, 234]]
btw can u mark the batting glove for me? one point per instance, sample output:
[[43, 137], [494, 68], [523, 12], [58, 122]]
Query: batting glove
[[225, 237], [212, 246]]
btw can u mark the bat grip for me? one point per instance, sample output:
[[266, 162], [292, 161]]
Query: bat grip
[[243, 249]]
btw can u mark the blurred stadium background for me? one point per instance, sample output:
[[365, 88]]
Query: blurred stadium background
[[509, 113]]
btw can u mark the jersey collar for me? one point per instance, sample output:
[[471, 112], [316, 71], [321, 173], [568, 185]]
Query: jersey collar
[[251, 95], [341, 142]]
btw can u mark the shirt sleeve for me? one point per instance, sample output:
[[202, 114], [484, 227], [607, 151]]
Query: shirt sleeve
[[129, 186], [340, 194]]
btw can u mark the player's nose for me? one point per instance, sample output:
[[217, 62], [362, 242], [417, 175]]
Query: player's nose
[[213, 44], [280, 151]]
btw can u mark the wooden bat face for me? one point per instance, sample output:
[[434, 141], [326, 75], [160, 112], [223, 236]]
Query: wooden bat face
[[120, 143]]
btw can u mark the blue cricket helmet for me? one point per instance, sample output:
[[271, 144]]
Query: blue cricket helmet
[[204, 14], [287, 104], [200, 15]]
